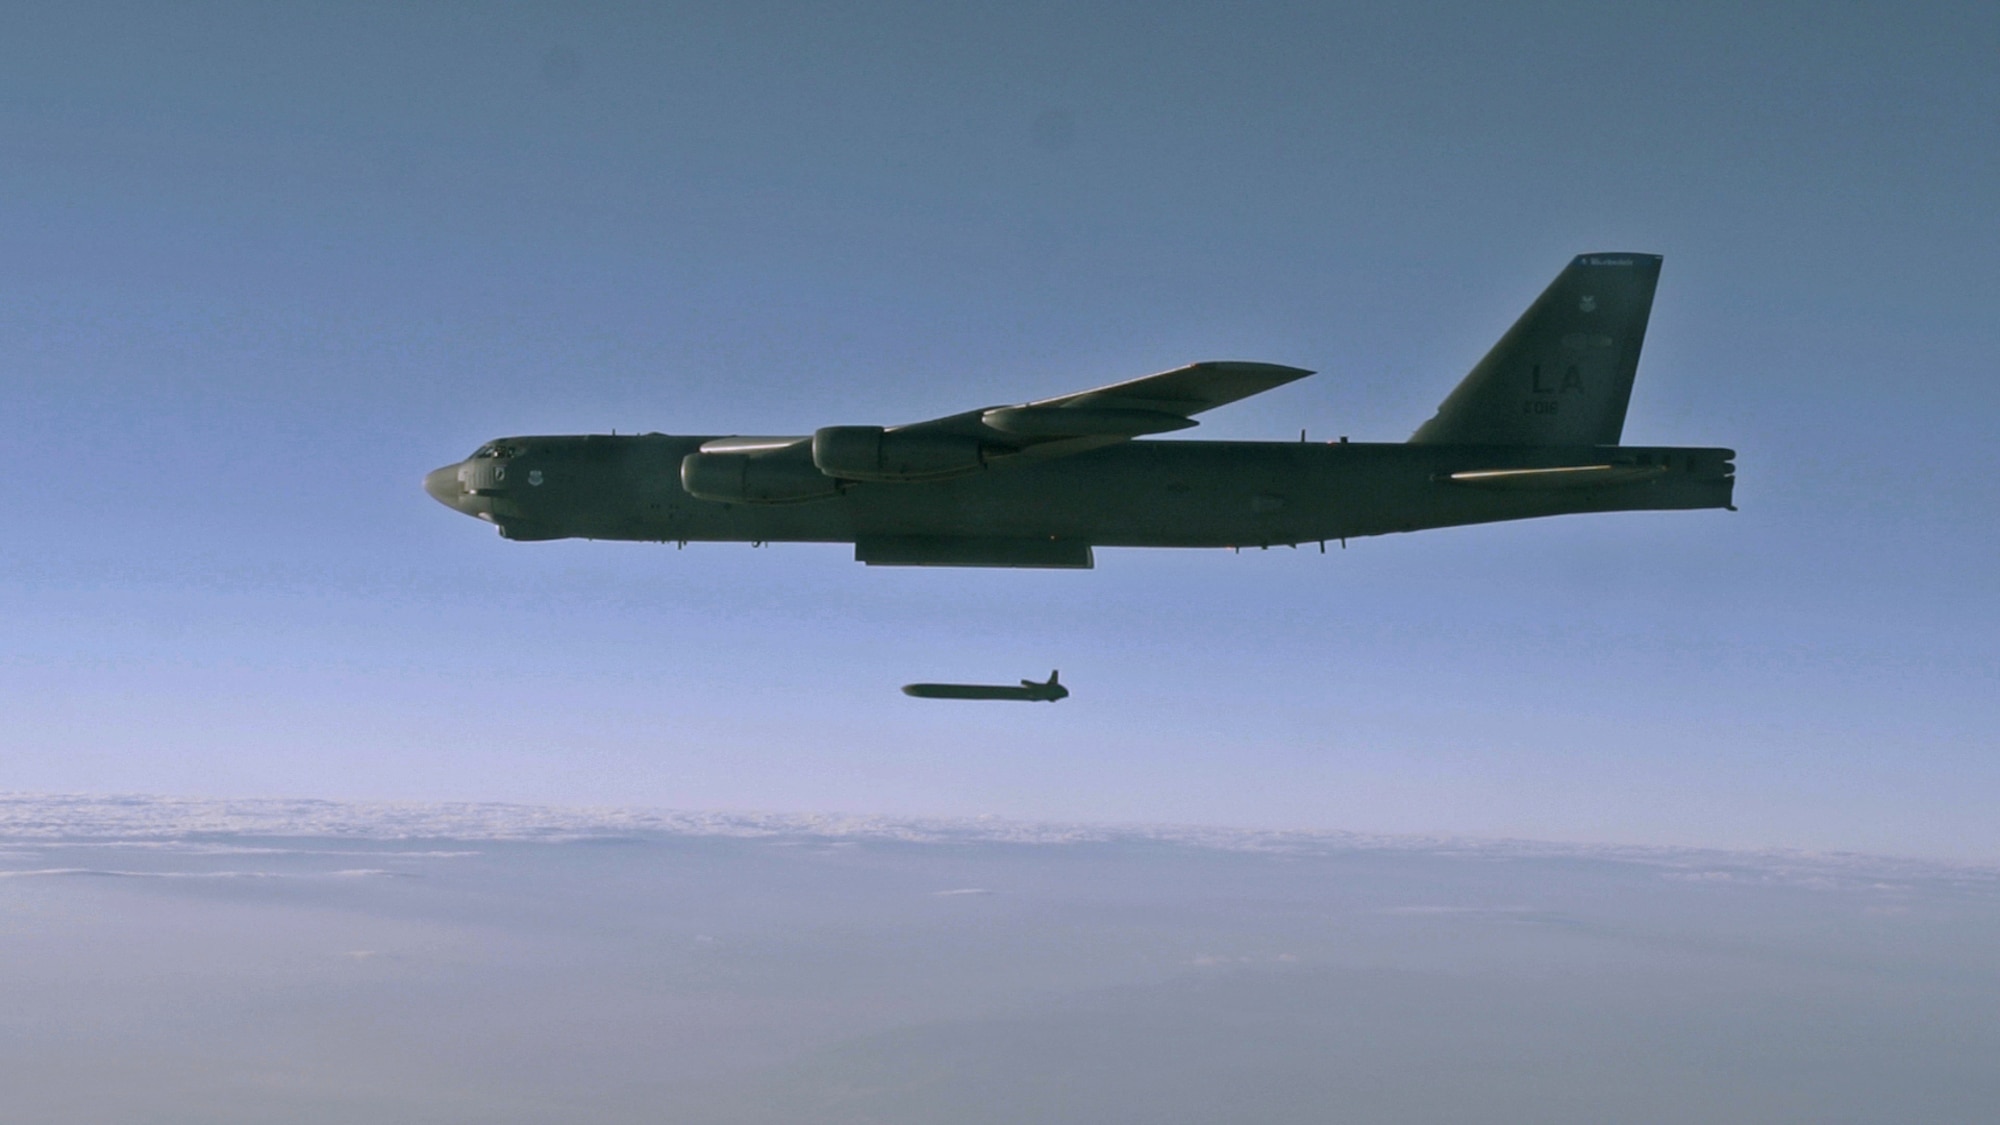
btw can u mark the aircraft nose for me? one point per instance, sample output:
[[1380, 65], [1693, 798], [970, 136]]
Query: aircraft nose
[[444, 487]]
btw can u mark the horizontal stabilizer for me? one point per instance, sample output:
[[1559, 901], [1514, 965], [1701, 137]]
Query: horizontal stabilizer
[[1566, 476]]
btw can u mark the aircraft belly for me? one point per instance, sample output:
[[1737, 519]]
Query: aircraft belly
[[1139, 494], [1162, 494]]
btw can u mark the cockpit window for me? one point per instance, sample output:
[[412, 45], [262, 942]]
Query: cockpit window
[[496, 449]]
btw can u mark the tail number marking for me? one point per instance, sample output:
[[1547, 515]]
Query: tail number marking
[[1572, 380]]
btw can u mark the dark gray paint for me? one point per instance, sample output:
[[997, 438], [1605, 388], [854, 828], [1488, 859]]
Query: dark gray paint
[[1551, 394], [1029, 691]]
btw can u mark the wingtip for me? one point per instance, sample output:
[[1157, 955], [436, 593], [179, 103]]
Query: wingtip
[[1280, 371]]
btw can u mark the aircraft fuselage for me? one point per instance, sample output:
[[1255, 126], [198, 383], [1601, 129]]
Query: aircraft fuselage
[[1147, 493]]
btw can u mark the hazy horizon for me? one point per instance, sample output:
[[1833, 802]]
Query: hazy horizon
[[213, 961], [28, 815]]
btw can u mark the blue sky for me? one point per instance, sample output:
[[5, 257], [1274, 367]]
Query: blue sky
[[262, 266]]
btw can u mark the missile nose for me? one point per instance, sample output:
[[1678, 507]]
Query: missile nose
[[444, 487]]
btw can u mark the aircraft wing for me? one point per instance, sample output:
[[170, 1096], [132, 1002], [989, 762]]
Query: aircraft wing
[[1184, 390], [806, 466], [1154, 404]]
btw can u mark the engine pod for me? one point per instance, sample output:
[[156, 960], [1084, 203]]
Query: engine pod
[[872, 453]]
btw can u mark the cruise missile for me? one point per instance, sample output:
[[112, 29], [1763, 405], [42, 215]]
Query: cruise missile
[[1029, 692]]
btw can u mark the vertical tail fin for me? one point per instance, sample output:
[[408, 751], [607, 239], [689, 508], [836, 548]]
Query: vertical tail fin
[[1563, 374]]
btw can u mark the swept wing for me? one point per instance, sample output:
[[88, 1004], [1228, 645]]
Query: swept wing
[[988, 437]]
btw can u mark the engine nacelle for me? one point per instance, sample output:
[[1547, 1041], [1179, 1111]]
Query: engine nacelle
[[875, 454], [747, 478]]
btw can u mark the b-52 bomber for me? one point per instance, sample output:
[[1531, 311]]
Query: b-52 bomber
[[1533, 430]]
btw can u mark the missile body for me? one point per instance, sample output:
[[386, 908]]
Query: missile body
[[1029, 692]]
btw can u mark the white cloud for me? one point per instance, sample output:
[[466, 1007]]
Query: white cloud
[[116, 873], [208, 824]]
